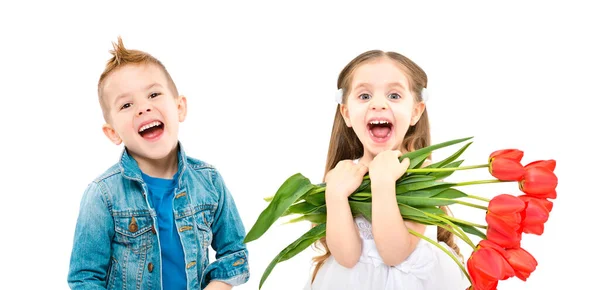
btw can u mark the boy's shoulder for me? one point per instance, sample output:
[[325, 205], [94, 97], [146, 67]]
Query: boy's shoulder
[[115, 169], [197, 164], [192, 163]]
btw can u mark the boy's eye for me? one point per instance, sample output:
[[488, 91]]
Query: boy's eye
[[154, 95], [364, 96], [125, 106], [394, 96]]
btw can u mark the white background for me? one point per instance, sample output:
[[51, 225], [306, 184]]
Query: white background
[[260, 80]]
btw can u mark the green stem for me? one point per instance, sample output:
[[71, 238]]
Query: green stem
[[465, 222], [462, 267], [455, 229], [480, 182], [478, 198], [447, 169], [471, 204]]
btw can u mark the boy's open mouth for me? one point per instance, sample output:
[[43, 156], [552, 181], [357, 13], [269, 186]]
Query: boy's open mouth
[[151, 130], [380, 129]]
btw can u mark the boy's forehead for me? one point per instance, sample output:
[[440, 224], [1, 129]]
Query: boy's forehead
[[132, 78]]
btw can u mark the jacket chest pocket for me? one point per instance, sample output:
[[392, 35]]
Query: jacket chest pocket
[[134, 231], [204, 220]]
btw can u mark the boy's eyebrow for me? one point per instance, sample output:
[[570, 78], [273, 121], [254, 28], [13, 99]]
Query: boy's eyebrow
[[145, 89]]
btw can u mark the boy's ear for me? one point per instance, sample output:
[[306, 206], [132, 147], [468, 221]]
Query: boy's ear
[[111, 134], [345, 115], [182, 108]]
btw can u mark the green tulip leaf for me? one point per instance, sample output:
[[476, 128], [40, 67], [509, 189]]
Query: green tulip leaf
[[289, 192], [293, 249]]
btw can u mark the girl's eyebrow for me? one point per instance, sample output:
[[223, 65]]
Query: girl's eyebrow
[[368, 86], [362, 85], [397, 84]]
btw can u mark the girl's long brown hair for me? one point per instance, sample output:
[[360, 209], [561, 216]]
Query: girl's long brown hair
[[344, 144]]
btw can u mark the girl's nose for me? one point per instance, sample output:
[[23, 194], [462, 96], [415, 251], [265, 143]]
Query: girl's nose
[[379, 103]]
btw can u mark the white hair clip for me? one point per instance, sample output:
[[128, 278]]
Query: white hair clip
[[425, 95], [339, 95]]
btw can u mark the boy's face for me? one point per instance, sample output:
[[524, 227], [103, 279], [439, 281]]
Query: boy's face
[[143, 112]]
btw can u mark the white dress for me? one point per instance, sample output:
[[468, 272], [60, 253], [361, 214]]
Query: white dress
[[426, 268]]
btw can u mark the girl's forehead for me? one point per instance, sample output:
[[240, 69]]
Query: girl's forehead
[[378, 73]]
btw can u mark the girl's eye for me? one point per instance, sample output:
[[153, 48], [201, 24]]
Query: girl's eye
[[154, 95], [364, 97], [394, 96], [127, 105]]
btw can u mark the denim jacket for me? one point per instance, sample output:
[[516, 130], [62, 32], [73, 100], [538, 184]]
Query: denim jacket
[[116, 242]]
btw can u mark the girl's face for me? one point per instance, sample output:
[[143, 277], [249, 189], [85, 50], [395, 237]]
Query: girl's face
[[380, 106]]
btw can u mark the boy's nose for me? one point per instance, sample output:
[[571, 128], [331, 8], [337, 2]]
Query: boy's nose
[[142, 111]]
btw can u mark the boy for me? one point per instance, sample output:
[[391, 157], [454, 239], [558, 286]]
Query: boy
[[147, 222]]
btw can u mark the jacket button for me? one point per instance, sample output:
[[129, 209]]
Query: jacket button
[[133, 227], [150, 267]]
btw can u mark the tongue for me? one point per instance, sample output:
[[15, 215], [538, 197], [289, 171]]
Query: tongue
[[152, 132], [380, 131]]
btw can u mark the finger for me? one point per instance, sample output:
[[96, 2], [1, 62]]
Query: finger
[[398, 153], [343, 163], [404, 164], [362, 169]]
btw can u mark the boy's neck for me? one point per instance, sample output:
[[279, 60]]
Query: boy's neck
[[159, 168]]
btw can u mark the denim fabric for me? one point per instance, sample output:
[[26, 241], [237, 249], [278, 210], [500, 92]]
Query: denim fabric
[[116, 245]]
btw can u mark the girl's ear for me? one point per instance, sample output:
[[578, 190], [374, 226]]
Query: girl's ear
[[345, 115], [416, 113]]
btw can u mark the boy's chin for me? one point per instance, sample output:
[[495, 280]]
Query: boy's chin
[[152, 152]]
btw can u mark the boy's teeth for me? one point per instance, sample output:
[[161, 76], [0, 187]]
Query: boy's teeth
[[148, 126]]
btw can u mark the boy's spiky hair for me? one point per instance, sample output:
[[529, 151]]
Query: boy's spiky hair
[[122, 57]]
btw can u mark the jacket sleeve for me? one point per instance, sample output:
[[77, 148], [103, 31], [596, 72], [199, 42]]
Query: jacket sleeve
[[231, 264], [91, 250]]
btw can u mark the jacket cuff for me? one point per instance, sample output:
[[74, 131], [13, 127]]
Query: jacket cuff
[[232, 269]]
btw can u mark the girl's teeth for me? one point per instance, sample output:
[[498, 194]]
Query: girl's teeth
[[379, 122]]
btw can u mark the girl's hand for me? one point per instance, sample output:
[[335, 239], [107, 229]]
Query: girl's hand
[[344, 179], [385, 167]]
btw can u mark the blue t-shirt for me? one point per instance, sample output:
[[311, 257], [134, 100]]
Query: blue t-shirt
[[161, 193]]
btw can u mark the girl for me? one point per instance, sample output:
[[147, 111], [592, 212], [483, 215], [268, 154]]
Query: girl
[[381, 114]]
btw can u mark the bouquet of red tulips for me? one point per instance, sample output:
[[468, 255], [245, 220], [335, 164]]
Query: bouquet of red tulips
[[420, 192]]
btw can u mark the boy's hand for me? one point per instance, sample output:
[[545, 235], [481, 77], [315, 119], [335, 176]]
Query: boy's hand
[[385, 167], [344, 179], [218, 285]]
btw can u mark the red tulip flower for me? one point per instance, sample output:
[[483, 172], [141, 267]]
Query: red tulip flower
[[512, 154], [548, 164], [504, 219], [522, 262], [539, 182], [487, 265], [535, 215], [547, 204], [506, 169], [503, 204]]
